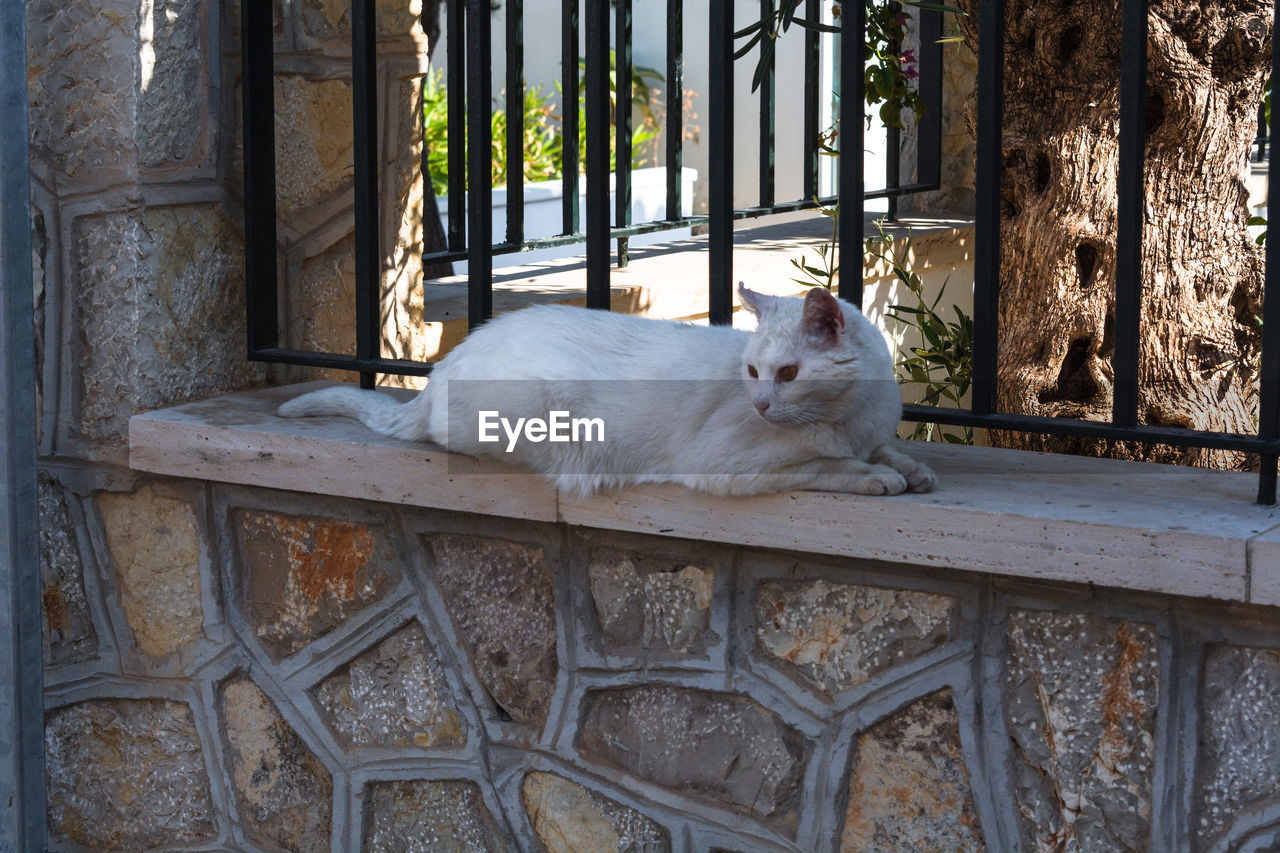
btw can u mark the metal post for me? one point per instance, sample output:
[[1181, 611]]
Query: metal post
[[767, 117], [479, 164], [720, 119], [986, 259], [675, 107], [515, 121], [622, 123], [364, 102], [853, 85], [1129, 207], [570, 87], [597, 153], [1269, 381], [259, 147], [22, 793]]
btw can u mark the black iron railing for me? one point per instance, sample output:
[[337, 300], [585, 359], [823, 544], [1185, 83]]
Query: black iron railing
[[470, 71], [469, 82]]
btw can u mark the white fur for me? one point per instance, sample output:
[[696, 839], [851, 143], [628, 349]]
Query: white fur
[[676, 399]]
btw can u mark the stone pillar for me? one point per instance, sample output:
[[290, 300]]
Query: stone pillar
[[138, 257], [959, 74]]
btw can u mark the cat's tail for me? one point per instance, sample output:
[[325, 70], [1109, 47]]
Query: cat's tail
[[379, 412]]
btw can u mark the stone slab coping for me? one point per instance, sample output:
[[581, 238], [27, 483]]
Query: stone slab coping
[[1131, 525]]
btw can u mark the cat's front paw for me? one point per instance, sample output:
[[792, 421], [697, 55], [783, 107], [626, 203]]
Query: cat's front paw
[[921, 479], [880, 480]]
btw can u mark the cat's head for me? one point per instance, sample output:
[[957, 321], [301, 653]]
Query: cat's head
[[805, 354]]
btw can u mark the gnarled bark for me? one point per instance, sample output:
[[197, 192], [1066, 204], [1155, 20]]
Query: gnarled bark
[[1201, 271]]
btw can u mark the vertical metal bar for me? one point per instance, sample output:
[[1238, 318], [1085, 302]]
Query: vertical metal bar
[[1129, 209], [259, 145], [1269, 380], [853, 28], [456, 95], [675, 108], [1263, 133], [364, 95], [812, 71], [929, 86], [597, 55], [623, 121], [22, 772], [986, 284], [479, 164], [767, 135], [569, 87], [893, 141], [720, 157], [515, 121]]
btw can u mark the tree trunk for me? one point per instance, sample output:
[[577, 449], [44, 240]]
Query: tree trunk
[[1201, 272]]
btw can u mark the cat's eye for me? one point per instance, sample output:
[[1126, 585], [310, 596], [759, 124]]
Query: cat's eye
[[751, 371], [786, 374]]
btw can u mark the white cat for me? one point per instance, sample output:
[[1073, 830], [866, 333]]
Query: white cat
[[807, 401]]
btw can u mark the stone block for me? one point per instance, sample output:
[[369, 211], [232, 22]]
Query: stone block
[[569, 818], [174, 120], [1239, 739], [840, 635], [1081, 694], [127, 774], [668, 610], [82, 78], [499, 594], [299, 577], [232, 18], [315, 152], [909, 787], [448, 816], [155, 548], [331, 19], [284, 793], [69, 635], [721, 746], [325, 292], [393, 695], [161, 310]]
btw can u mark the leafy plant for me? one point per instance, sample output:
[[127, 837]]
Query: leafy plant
[[890, 71], [542, 134], [824, 275], [643, 100], [943, 364], [541, 139]]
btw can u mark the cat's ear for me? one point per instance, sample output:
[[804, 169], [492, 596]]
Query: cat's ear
[[757, 303], [823, 319]]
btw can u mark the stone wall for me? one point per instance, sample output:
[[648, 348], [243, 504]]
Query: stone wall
[[237, 668], [234, 668]]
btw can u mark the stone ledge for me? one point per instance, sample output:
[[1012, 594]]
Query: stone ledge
[[1137, 526]]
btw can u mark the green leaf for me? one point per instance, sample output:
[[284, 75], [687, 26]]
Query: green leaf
[[746, 48]]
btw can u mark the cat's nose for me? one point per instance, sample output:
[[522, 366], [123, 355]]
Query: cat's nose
[[762, 406]]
